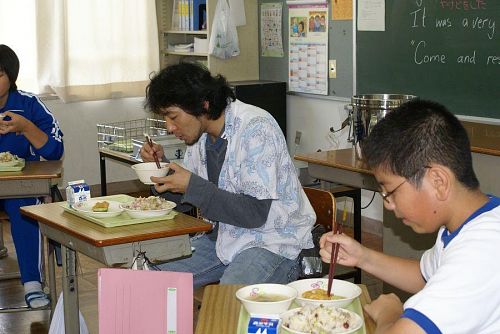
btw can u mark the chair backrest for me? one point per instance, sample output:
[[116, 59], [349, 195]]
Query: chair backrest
[[323, 204]]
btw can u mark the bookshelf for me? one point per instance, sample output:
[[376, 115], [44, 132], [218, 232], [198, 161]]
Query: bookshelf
[[243, 67]]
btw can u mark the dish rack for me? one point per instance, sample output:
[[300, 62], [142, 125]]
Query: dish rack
[[128, 137], [119, 136]]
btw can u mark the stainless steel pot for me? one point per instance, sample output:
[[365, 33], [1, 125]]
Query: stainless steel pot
[[368, 109]]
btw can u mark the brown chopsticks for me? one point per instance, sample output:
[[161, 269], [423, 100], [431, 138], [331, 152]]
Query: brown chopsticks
[[333, 259], [150, 142]]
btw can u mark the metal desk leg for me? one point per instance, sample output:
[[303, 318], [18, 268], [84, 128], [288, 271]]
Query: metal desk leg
[[70, 291], [52, 277], [102, 167]]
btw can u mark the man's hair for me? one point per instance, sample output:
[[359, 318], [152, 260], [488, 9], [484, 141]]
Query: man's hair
[[188, 86], [416, 134], [9, 63]]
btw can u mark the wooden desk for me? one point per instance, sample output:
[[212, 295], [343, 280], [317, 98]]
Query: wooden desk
[[111, 246], [220, 310], [34, 180]]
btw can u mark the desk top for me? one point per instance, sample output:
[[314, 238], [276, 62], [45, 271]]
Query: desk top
[[220, 310], [53, 215], [35, 170], [342, 159]]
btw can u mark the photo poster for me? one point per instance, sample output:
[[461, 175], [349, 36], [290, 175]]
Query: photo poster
[[308, 48], [271, 40]]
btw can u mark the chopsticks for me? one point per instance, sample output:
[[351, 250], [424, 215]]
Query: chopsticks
[[333, 259], [150, 142]]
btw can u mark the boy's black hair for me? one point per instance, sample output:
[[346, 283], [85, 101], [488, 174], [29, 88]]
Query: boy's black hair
[[188, 86], [416, 134], [9, 63]]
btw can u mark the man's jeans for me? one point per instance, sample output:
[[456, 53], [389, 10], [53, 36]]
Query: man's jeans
[[254, 265]]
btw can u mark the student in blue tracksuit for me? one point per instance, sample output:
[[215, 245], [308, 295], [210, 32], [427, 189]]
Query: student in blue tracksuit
[[30, 131]]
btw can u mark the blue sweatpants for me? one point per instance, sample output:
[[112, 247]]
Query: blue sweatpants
[[27, 238]]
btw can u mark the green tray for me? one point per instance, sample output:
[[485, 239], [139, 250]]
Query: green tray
[[121, 220], [16, 168], [355, 307]]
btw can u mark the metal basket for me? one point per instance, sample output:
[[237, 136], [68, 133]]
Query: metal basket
[[119, 136]]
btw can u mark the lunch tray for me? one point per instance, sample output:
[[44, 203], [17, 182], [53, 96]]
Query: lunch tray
[[355, 307], [121, 220], [15, 168]]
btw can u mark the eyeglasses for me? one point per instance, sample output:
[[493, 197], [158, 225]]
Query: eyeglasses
[[385, 195]]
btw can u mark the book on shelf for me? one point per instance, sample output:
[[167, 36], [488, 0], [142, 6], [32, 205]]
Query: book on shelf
[[189, 15]]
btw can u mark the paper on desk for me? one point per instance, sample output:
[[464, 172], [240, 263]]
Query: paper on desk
[[132, 301]]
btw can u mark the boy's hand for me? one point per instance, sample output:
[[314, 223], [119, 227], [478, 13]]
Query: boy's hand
[[177, 180], [350, 251]]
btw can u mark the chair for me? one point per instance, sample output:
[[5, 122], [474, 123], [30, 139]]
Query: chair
[[323, 204]]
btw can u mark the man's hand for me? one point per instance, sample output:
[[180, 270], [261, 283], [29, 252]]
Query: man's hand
[[176, 182], [147, 152]]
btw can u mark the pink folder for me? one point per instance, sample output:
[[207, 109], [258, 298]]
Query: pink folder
[[140, 301]]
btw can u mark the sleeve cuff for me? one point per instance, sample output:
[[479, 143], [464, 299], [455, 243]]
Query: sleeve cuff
[[52, 150]]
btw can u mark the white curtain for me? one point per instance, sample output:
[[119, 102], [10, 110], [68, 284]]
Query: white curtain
[[82, 50]]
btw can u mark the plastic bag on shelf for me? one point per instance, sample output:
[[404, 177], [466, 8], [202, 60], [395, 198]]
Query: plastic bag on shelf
[[224, 37]]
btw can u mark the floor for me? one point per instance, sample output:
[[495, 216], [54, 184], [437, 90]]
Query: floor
[[38, 322]]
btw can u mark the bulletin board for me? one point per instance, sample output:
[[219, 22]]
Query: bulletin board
[[340, 48]]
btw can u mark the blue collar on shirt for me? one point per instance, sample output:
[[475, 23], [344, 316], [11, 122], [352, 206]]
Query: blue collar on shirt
[[494, 201]]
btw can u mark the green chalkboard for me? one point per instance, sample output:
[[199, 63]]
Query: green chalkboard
[[444, 50]]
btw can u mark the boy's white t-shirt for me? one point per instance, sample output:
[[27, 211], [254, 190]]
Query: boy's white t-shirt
[[462, 271]]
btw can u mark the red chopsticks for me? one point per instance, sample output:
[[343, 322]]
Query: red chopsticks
[[333, 259], [150, 142]]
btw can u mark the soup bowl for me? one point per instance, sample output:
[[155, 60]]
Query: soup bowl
[[344, 292], [266, 298]]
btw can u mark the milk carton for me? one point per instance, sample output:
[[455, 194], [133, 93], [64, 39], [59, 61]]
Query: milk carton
[[76, 192], [263, 324]]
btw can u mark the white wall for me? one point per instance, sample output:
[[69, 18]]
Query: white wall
[[314, 117], [78, 123]]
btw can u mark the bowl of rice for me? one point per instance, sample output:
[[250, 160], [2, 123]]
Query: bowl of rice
[[320, 319], [313, 291], [146, 207]]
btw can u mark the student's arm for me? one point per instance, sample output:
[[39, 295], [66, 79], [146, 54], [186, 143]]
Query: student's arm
[[402, 273], [221, 205], [386, 312]]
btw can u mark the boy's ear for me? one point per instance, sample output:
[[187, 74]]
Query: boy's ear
[[441, 180]]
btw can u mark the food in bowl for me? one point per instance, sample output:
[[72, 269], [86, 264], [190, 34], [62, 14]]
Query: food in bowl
[[145, 170], [266, 298], [346, 289], [101, 206], [8, 159], [320, 294], [152, 206], [321, 319]]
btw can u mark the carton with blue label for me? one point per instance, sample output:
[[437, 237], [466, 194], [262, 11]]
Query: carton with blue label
[[263, 324], [76, 192]]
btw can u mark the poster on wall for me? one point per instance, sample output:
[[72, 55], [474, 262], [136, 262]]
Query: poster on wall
[[308, 47], [271, 42]]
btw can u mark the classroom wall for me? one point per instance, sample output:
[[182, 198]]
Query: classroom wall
[[78, 123]]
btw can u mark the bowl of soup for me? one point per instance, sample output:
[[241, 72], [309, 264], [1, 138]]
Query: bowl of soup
[[266, 298], [313, 291]]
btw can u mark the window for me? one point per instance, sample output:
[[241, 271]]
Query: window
[[82, 50]]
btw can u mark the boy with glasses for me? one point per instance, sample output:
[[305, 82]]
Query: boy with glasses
[[420, 155]]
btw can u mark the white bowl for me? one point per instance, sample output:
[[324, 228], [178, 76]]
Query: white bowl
[[346, 289], [326, 314], [148, 213], [251, 296], [145, 170], [114, 208]]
